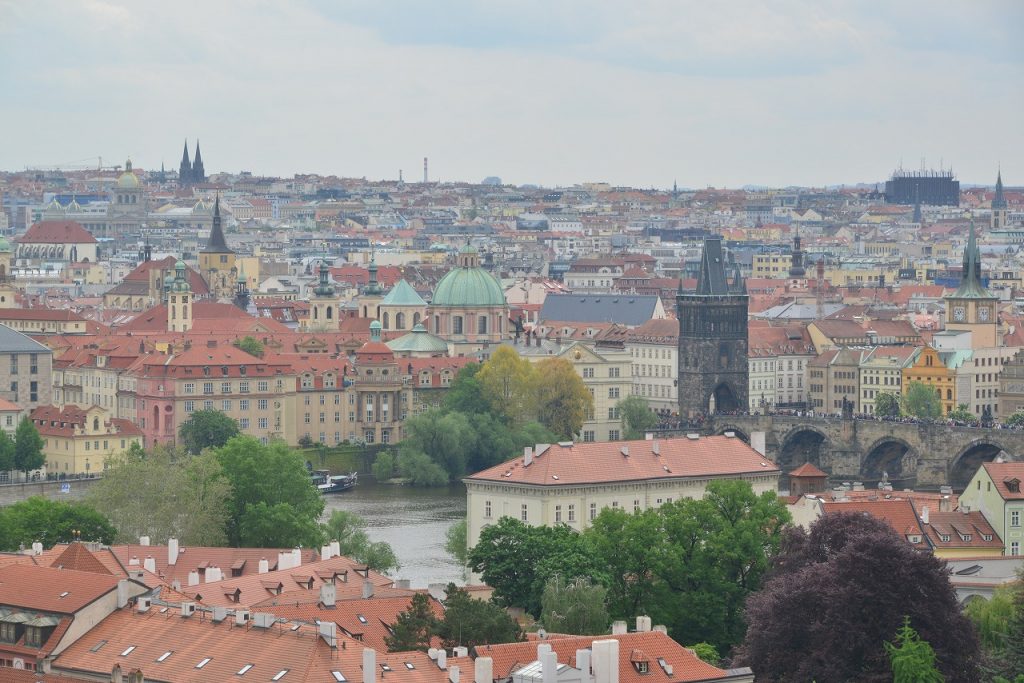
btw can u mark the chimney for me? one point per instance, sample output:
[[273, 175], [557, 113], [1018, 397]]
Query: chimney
[[453, 674], [757, 442], [483, 670], [329, 632], [133, 561], [460, 651], [122, 593], [661, 628], [328, 594], [149, 564], [527, 455], [284, 560], [605, 660], [188, 608], [369, 665], [924, 515], [432, 653], [325, 552], [172, 551], [656, 447], [945, 505], [241, 617], [583, 663], [619, 628], [193, 577], [296, 557], [37, 548], [367, 589], [442, 659], [143, 604], [263, 566], [643, 624], [335, 548], [209, 576], [548, 665], [143, 540]]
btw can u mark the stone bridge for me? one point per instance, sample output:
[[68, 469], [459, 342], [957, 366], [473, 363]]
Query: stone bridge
[[910, 454]]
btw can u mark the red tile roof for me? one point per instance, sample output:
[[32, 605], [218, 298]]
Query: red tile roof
[[807, 470], [57, 232], [587, 463], [899, 514], [960, 530], [1004, 472], [76, 556], [194, 557], [47, 589]]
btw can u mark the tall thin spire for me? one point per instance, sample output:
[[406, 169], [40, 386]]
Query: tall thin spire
[[217, 244], [198, 172], [185, 170], [999, 201]]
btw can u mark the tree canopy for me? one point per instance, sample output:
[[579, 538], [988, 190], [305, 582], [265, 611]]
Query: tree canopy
[[414, 628], [507, 383], [887, 404], [576, 607], [963, 413], [912, 659], [273, 501], [50, 522], [207, 429], [637, 417], [162, 493], [251, 345], [349, 530], [921, 401], [470, 622], [28, 447], [561, 400], [860, 580], [6, 451]]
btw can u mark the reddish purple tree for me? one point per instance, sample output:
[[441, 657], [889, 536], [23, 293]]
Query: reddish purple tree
[[835, 595]]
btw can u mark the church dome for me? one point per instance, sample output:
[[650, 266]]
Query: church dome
[[128, 180], [5, 246], [468, 285]]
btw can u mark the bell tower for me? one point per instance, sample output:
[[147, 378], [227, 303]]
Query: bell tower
[[179, 301], [972, 308], [713, 374], [999, 204], [324, 306], [217, 260]]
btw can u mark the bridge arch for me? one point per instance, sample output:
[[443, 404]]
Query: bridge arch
[[802, 443], [741, 434], [893, 458], [969, 459]]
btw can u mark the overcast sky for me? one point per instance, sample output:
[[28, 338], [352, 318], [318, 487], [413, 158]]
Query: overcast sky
[[637, 92]]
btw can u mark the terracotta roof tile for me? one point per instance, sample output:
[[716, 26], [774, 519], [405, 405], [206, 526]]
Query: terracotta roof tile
[[57, 232]]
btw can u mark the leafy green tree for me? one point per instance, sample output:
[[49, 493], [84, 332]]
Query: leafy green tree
[[384, 466], [1015, 420], [887, 404], [251, 345], [414, 627], [576, 607], [6, 451], [470, 622], [455, 542], [637, 417], [706, 652], [28, 447], [207, 429], [912, 659], [419, 469], [270, 485], [508, 382], [963, 413], [443, 437], [50, 522], [561, 399], [466, 394], [921, 401], [164, 493], [349, 530], [992, 617], [629, 546]]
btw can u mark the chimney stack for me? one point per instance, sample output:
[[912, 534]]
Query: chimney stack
[[210, 575], [924, 515], [369, 665], [263, 566], [325, 552], [483, 670], [172, 551], [453, 674], [149, 564], [193, 577], [583, 664], [442, 659], [133, 561], [335, 548], [527, 456], [605, 660], [757, 442], [619, 628], [284, 560], [328, 594], [37, 548], [143, 540], [122, 593], [296, 557], [643, 624], [548, 665], [367, 589]]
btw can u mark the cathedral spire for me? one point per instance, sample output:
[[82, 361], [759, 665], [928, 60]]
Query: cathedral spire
[[185, 170], [999, 201], [217, 244], [198, 172]]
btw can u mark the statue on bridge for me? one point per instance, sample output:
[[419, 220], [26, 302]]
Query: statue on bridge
[[847, 408]]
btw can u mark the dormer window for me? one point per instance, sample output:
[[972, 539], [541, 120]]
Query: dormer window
[[642, 667], [944, 538], [1012, 485], [913, 538]]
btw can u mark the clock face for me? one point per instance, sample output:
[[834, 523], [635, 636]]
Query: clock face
[[959, 313], [983, 315]]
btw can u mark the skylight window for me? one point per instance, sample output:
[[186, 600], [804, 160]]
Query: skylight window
[[165, 655], [386, 667], [409, 666], [279, 675], [338, 676], [128, 651], [244, 669], [361, 618], [203, 662], [97, 646], [296, 627]]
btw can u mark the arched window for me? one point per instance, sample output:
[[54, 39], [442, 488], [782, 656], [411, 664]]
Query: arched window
[[316, 313], [481, 324], [437, 324], [330, 314], [387, 321], [457, 324], [399, 321], [415, 319], [96, 424], [949, 394]]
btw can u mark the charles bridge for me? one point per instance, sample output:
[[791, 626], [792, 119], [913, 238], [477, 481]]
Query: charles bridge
[[909, 454]]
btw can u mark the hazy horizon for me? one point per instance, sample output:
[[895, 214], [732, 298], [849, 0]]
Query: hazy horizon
[[777, 94]]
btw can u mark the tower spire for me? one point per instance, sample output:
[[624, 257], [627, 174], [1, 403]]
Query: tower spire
[[217, 244], [198, 172], [185, 170]]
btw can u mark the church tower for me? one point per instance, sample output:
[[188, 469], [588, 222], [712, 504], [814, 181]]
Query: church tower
[[198, 172], [324, 306], [999, 204], [712, 339], [370, 298], [796, 266], [972, 308], [217, 261], [179, 301], [185, 169]]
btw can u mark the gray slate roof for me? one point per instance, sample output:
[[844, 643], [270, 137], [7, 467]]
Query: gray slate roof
[[12, 341], [625, 309]]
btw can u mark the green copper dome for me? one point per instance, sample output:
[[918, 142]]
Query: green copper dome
[[468, 285], [420, 341], [4, 244]]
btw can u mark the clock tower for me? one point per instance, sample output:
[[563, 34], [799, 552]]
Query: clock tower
[[972, 308]]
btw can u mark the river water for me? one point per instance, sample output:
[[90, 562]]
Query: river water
[[413, 520]]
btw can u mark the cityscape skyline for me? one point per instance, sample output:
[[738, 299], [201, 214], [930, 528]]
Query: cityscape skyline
[[643, 95]]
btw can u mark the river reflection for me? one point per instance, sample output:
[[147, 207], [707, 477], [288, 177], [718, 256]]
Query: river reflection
[[413, 521]]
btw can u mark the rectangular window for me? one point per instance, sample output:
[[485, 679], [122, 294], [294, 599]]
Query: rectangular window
[[1015, 548], [243, 423], [263, 386], [262, 422], [572, 512], [14, 364], [636, 506], [593, 511], [207, 388], [243, 404], [613, 392], [207, 405], [613, 372], [613, 434], [190, 406], [1015, 518], [588, 373], [588, 435], [487, 509], [523, 513], [558, 514], [243, 387], [225, 406], [225, 387], [190, 388]]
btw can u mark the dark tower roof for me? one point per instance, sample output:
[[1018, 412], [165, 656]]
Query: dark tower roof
[[185, 170], [970, 281], [999, 201], [324, 288], [216, 244], [198, 172], [796, 267], [711, 279]]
